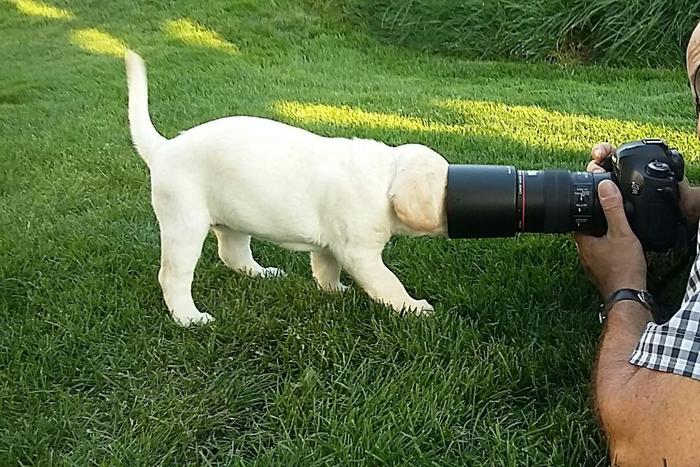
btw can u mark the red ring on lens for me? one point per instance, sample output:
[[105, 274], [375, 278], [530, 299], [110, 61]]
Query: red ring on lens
[[522, 175]]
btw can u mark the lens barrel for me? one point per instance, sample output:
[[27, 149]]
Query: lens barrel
[[500, 201], [481, 201]]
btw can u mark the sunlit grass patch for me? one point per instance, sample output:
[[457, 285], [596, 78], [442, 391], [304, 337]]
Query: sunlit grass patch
[[530, 125], [193, 33], [98, 42], [536, 126], [352, 117], [36, 8]]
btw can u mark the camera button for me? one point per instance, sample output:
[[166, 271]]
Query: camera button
[[658, 169]]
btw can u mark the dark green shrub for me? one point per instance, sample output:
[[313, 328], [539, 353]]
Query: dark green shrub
[[620, 32]]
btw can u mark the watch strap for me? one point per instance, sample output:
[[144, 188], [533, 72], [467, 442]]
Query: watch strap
[[639, 296]]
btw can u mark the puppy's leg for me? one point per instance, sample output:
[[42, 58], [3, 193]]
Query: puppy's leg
[[326, 271], [368, 268], [181, 246], [234, 251]]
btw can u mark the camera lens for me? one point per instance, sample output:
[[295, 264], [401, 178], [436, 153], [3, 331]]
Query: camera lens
[[481, 201], [498, 201], [545, 201]]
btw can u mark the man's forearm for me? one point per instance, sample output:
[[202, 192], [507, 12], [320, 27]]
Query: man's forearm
[[623, 328], [650, 417], [625, 324], [690, 201]]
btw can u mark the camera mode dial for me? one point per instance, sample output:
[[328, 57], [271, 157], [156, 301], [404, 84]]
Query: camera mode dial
[[658, 169]]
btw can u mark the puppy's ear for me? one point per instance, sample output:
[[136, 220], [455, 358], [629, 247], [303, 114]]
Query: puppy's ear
[[418, 190]]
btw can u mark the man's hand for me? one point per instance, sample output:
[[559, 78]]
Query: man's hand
[[690, 196], [615, 261], [599, 153]]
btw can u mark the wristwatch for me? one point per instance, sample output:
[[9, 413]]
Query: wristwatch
[[640, 296]]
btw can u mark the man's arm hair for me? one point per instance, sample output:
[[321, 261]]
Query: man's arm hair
[[626, 322]]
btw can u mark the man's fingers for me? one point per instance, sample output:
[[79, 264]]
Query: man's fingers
[[611, 202], [594, 167], [601, 151]]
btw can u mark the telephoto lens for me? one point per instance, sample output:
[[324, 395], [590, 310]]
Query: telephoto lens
[[500, 201]]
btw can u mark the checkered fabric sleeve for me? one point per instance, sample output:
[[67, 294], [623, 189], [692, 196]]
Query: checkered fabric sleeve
[[674, 347]]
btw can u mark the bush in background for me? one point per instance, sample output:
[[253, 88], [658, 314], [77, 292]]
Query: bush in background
[[615, 32]]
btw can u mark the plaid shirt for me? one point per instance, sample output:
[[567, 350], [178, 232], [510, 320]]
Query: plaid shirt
[[674, 347]]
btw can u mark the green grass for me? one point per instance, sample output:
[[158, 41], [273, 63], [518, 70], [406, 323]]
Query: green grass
[[621, 32], [92, 369]]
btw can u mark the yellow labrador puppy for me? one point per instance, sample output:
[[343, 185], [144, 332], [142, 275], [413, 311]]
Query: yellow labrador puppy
[[339, 199]]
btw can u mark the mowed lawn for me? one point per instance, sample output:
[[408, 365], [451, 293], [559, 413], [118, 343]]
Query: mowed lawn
[[93, 370]]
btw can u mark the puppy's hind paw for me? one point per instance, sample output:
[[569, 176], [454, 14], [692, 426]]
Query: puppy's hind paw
[[333, 288], [272, 272], [193, 318], [421, 308], [340, 288]]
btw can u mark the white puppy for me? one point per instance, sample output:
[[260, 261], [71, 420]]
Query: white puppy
[[340, 199]]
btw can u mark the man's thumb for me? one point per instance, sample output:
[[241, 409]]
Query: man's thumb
[[611, 202]]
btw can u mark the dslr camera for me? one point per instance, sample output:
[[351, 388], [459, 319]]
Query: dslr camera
[[500, 201]]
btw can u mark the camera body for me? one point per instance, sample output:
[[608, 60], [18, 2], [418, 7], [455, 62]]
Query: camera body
[[647, 173], [500, 201]]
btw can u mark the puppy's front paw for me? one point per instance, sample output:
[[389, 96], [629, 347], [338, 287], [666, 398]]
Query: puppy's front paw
[[272, 272], [193, 318]]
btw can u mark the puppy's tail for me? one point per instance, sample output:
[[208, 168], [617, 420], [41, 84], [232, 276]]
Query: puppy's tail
[[144, 135]]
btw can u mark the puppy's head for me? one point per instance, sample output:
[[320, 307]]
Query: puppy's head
[[418, 190]]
